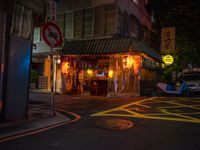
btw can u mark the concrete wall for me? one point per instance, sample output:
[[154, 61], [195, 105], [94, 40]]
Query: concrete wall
[[69, 5], [41, 47], [17, 87], [35, 5], [137, 10]]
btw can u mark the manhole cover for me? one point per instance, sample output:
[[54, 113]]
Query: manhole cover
[[115, 124]]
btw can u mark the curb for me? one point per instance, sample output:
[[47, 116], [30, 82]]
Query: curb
[[73, 116]]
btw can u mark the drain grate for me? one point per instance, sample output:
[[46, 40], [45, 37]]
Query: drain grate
[[118, 124]]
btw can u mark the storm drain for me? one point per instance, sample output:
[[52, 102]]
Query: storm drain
[[116, 124]]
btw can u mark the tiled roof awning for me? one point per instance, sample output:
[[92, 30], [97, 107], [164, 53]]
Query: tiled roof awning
[[106, 46]]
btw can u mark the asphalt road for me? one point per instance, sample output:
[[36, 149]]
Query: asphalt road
[[159, 124]]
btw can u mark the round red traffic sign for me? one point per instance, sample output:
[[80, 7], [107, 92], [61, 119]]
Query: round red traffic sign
[[52, 34]]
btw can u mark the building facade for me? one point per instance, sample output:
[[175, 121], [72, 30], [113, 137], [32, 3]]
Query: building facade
[[106, 47]]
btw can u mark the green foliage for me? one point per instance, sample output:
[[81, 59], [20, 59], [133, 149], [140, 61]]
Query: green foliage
[[33, 76], [184, 16], [167, 74]]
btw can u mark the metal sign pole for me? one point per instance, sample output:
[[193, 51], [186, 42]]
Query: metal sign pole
[[55, 71], [52, 81], [52, 35]]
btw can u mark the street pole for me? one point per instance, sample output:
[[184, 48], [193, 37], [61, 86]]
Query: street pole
[[52, 81]]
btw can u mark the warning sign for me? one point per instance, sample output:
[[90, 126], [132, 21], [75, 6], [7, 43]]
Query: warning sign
[[52, 35]]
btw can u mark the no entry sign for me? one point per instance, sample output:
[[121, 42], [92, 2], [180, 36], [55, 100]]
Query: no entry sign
[[52, 35]]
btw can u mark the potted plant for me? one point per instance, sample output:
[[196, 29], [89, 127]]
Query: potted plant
[[33, 79]]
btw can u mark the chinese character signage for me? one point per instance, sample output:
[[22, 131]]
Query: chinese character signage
[[167, 40], [53, 7]]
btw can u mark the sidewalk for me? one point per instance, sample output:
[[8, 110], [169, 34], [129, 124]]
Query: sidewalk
[[39, 119]]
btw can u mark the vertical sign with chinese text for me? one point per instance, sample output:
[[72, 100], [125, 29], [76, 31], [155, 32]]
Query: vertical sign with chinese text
[[53, 9], [167, 40]]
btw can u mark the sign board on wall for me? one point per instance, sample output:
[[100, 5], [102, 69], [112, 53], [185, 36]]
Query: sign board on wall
[[167, 40]]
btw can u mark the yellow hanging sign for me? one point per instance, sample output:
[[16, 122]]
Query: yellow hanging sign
[[168, 40]]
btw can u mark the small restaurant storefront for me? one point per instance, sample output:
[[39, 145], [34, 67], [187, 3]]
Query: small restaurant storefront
[[108, 67]]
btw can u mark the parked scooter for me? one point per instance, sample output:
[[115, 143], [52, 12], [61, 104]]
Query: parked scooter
[[168, 89]]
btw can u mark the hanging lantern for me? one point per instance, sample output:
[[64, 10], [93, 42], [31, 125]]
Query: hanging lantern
[[137, 60], [110, 74], [127, 61], [65, 66], [89, 72]]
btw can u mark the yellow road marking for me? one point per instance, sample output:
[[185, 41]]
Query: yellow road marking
[[182, 105], [132, 112], [150, 117], [195, 106], [142, 105], [119, 108], [176, 116]]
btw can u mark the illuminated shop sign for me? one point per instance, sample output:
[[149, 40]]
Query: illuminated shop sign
[[168, 59]]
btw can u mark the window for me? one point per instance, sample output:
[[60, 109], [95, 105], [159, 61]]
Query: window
[[152, 17], [78, 24], [60, 22], [88, 22], [36, 36], [99, 27], [22, 22], [111, 19], [68, 25], [134, 27], [124, 25]]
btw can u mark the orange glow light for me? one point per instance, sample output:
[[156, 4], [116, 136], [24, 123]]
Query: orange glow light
[[89, 72], [137, 60], [65, 67], [127, 61], [110, 73]]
